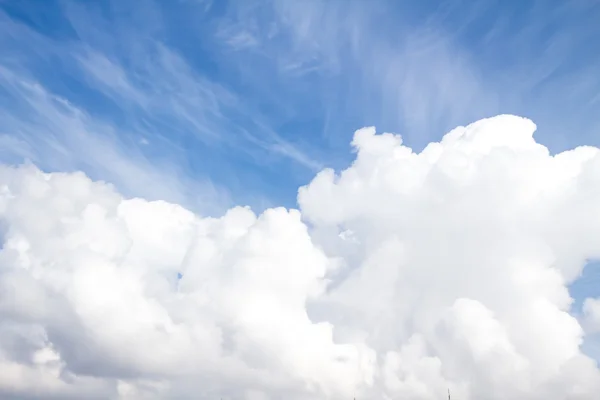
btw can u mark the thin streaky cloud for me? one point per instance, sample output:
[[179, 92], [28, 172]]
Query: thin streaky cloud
[[166, 87], [419, 78], [59, 136], [154, 94]]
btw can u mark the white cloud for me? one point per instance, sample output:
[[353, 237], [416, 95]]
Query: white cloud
[[455, 276]]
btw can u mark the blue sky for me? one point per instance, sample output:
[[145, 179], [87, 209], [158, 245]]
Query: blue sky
[[240, 102], [211, 104]]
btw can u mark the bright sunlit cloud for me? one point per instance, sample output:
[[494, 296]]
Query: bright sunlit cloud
[[456, 276]]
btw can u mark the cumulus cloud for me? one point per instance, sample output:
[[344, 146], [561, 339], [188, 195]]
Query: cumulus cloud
[[400, 277]]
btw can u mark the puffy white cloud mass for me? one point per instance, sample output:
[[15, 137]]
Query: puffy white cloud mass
[[400, 277]]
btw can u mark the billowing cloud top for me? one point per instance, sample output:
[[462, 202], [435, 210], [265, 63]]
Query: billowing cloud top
[[402, 276]]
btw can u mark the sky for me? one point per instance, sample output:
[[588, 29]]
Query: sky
[[247, 100], [192, 156]]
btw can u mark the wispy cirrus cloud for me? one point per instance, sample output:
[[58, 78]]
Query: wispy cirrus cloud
[[146, 102], [420, 71], [48, 130], [46, 127], [159, 81]]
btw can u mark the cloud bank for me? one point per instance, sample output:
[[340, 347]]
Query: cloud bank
[[402, 276]]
